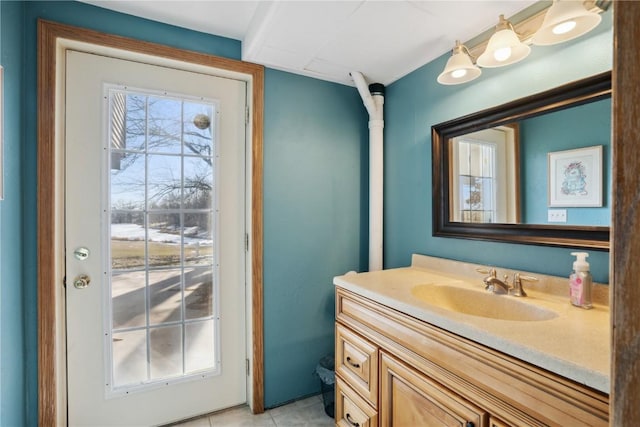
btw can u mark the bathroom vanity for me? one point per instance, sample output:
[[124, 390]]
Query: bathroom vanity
[[427, 345]]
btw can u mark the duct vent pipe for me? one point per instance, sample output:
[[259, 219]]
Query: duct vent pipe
[[373, 99]]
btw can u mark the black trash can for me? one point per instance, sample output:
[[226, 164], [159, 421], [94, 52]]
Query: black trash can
[[326, 372]]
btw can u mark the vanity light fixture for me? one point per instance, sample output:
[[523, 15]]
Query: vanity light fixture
[[504, 47], [560, 21], [565, 20], [460, 67]]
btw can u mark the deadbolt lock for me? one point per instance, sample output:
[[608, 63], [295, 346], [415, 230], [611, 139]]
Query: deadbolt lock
[[81, 253]]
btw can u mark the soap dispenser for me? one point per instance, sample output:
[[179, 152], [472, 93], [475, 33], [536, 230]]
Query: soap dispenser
[[580, 281]]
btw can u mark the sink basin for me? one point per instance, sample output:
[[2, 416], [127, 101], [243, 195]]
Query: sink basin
[[481, 304]]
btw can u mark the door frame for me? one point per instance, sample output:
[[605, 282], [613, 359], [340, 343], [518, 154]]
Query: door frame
[[53, 40], [624, 273]]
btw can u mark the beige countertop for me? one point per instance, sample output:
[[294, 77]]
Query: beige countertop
[[574, 344]]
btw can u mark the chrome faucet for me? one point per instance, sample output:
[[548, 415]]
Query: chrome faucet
[[497, 286], [492, 283]]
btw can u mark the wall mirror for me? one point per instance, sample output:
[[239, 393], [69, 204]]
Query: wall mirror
[[536, 170]]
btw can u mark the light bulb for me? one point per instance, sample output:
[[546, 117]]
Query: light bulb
[[565, 20], [502, 54], [564, 27], [459, 68], [504, 47], [456, 74]]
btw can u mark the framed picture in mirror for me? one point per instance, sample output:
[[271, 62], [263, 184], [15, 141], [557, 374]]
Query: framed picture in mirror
[[575, 177]]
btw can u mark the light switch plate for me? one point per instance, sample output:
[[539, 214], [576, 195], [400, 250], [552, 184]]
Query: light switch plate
[[557, 215]]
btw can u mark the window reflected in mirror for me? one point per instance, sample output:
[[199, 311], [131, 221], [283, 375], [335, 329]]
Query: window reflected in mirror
[[485, 174]]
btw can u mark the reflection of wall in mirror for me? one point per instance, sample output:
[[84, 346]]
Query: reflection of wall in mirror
[[583, 126]]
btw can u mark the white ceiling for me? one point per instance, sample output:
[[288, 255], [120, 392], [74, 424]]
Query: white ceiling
[[383, 39]]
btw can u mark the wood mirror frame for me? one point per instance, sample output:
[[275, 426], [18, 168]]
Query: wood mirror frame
[[574, 236]]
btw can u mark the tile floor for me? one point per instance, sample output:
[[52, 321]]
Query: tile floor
[[307, 412]]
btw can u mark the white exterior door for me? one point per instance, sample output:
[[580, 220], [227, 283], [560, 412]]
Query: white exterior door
[[155, 242]]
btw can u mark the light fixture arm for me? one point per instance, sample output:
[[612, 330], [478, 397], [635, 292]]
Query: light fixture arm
[[505, 24], [460, 48]]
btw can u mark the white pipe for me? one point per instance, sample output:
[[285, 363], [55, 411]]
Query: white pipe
[[376, 165], [363, 89], [374, 105]]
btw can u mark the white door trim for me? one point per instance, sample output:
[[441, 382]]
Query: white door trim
[[51, 310]]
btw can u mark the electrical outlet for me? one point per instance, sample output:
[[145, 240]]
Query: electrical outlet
[[557, 215]]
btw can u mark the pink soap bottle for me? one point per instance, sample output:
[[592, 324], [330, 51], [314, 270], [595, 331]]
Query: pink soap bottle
[[580, 282]]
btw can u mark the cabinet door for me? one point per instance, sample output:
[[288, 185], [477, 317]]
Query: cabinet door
[[351, 409], [357, 363], [410, 398]]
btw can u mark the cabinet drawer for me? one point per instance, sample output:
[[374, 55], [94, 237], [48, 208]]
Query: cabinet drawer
[[351, 409], [357, 363], [409, 398]]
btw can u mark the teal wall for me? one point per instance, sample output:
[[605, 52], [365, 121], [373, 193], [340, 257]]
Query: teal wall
[[584, 126], [315, 221], [14, 404], [315, 203], [417, 102]]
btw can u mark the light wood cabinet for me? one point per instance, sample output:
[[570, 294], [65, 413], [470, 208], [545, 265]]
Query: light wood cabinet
[[408, 398], [400, 371]]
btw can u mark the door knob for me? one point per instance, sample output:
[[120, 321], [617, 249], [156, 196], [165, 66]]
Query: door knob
[[82, 281]]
